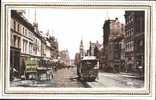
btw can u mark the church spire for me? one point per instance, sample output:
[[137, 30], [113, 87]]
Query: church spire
[[81, 44], [81, 49]]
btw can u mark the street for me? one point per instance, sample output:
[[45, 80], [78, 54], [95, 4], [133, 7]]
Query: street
[[67, 77]]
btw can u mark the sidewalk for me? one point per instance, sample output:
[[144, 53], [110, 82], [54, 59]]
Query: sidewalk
[[117, 80], [128, 74], [132, 75], [16, 79]]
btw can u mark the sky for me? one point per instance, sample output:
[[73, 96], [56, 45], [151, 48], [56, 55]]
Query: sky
[[69, 26]]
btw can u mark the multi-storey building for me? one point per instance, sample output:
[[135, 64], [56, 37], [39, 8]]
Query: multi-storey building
[[22, 35], [91, 49], [37, 41], [50, 45], [54, 47], [27, 42], [94, 49], [113, 32], [43, 45], [134, 51], [77, 59], [101, 57], [64, 57], [122, 54]]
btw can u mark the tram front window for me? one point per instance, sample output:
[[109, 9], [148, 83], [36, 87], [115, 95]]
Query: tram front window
[[89, 64]]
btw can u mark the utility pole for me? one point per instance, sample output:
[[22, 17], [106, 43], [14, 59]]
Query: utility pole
[[107, 16], [35, 15]]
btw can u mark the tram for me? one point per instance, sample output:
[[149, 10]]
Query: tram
[[88, 68], [39, 69]]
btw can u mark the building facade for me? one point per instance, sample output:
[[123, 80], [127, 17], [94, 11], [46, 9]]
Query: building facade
[[101, 58], [134, 51], [37, 41], [77, 59], [22, 36], [49, 47], [54, 47], [91, 49], [94, 49], [64, 57], [113, 32], [27, 42], [122, 56]]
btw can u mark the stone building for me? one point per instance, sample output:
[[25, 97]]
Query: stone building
[[113, 32], [49, 46], [64, 57], [43, 46], [22, 40], [134, 51], [54, 47], [94, 49], [77, 59], [122, 54], [91, 48], [37, 41], [101, 57], [27, 42]]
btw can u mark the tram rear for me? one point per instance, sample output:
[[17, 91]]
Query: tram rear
[[88, 68]]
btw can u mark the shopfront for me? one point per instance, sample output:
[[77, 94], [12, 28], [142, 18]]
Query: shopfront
[[14, 62]]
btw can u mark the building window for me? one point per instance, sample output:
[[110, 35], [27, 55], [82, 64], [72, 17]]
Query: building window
[[128, 33], [25, 43], [138, 24], [30, 48], [18, 27], [23, 46], [30, 34], [18, 42], [23, 30], [132, 31], [141, 43], [14, 39], [132, 19], [36, 41], [141, 24], [15, 25]]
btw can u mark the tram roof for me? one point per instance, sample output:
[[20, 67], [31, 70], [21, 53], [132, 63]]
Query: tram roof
[[89, 58]]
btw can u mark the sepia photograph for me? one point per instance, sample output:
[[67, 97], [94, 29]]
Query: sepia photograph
[[85, 48], [78, 49]]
